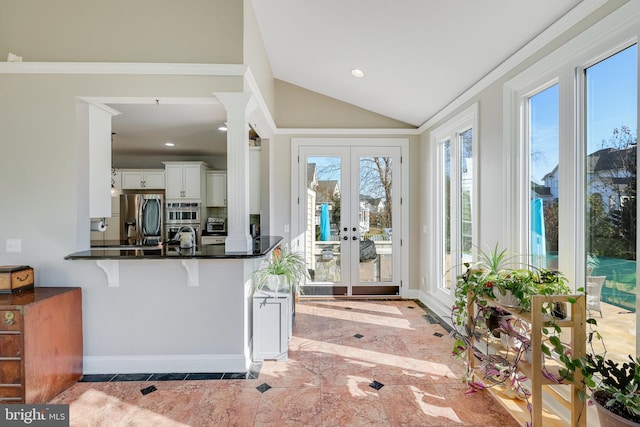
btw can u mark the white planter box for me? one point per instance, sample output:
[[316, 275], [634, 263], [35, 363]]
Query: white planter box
[[271, 325]]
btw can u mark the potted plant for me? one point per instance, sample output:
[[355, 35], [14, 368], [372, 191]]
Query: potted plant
[[492, 277], [614, 386], [284, 270], [615, 390], [476, 282], [275, 285], [495, 275]]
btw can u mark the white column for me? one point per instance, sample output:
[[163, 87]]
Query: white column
[[238, 105]]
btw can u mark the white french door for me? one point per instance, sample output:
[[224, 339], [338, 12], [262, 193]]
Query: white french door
[[348, 213]]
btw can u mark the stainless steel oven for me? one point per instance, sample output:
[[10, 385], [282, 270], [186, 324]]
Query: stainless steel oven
[[170, 232], [180, 214], [183, 213]]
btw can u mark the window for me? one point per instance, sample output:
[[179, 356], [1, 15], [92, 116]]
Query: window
[[544, 168], [610, 94], [454, 144], [590, 87]]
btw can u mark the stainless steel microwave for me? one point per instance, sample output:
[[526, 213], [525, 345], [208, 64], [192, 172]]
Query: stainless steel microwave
[[183, 213]]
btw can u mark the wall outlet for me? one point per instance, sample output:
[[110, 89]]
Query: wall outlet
[[14, 245], [286, 228]]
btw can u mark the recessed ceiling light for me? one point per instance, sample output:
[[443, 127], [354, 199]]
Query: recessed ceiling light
[[222, 128], [169, 144], [357, 72]]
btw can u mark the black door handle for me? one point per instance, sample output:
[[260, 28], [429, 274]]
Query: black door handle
[[354, 238], [345, 238]]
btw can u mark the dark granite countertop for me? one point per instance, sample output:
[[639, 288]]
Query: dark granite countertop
[[131, 250]]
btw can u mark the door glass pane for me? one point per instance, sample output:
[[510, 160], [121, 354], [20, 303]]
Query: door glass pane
[[449, 275], [545, 169], [375, 217], [611, 128], [323, 220]]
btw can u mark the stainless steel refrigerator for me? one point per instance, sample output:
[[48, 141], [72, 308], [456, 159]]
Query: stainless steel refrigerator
[[141, 217]]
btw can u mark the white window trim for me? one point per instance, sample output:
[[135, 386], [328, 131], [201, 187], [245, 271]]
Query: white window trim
[[467, 119]]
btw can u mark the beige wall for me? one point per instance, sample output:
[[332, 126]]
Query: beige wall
[[255, 56], [300, 108], [198, 31]]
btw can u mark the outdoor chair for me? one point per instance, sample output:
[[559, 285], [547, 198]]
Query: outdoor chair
[[594, 289]]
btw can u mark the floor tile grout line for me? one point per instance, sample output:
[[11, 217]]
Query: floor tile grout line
[[385, 410]]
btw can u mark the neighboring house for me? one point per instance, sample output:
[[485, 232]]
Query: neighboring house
[[374, 204], [312, 177], [369, 205], [328, 191], [608, 175], [543, 192], [549, 191]]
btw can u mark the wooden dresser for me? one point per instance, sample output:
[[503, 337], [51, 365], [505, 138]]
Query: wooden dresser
[[40, 343]]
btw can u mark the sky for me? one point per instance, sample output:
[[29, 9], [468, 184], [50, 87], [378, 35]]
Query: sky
[[611, 102]]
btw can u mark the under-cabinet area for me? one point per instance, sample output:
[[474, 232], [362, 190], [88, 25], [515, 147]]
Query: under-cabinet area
[[508, 358]]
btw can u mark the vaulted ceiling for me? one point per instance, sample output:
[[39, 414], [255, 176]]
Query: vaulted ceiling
[[417, 56]]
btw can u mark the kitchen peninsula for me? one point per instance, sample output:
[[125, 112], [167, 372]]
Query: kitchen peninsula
[[177, 310]]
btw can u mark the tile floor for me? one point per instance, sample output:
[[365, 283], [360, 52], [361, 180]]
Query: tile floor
[[351, 363]]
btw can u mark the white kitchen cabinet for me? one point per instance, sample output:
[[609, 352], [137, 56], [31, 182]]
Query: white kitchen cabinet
[[184, 180], [143, 179], [254, 180], [216, 188]]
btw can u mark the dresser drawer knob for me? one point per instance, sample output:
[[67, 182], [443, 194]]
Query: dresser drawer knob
[[9, 318]]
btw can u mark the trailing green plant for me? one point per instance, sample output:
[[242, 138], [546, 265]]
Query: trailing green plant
[[283, 262], [494, 369], [475, 283], [493, 273], [616, 385], [497, 272]]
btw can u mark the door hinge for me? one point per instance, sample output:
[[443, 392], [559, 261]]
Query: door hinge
[[400, 200], [400, 159], [298, 158], [298, 200], [400, 242]]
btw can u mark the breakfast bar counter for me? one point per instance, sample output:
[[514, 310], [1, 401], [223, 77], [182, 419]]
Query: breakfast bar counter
[[163, 309], [121, 250]]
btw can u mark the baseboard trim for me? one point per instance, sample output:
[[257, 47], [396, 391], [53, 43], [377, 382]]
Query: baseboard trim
[[129, 364]]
